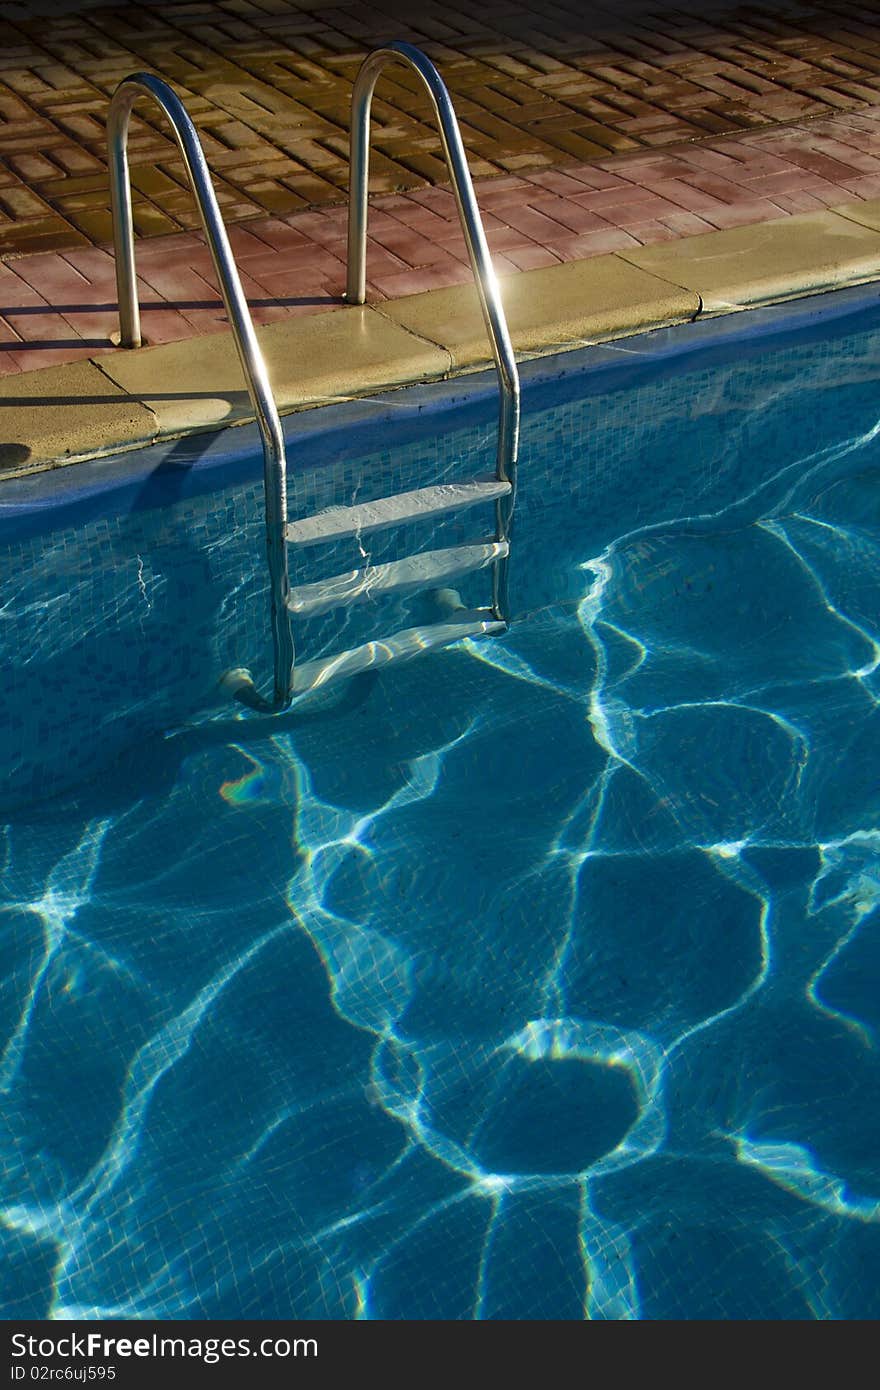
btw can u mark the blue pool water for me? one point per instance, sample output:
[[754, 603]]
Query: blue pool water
[[535, 978]]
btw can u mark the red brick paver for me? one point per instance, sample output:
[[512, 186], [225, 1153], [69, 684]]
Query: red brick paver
[[59, 306], [537, 83]]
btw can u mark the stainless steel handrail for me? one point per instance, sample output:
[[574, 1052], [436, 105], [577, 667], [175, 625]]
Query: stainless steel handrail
[[253, 365], [478, 252]]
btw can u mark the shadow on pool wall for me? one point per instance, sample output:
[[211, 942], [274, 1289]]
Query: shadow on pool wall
[[120, 627]]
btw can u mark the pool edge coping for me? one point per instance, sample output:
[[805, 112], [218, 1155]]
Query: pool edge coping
[[127, 400]]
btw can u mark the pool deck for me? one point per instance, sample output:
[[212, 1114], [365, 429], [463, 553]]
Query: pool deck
[[703, 204]]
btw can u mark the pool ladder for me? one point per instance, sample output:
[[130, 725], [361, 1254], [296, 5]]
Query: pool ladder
[[430, 569]]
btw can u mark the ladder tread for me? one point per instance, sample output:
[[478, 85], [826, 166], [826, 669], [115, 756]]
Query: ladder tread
[[336, 522], [428, 568], [409, 642]]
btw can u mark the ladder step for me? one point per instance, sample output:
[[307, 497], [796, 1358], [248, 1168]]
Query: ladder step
[[428, 569], [409, 642], [336, 522]]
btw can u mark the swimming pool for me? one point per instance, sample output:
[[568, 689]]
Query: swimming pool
[[535, 978]]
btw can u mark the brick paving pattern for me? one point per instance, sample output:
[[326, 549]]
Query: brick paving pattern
[[59, 306], [590, 129], [268, 83]]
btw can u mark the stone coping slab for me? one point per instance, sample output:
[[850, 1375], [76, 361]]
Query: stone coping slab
[[198, 383], [132, 398], [547, 310], [867, 212], [60, 413], [768, 261]]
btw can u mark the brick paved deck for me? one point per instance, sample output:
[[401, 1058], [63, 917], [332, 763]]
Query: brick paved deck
[[268, 83], [590, 129], [60, 306]]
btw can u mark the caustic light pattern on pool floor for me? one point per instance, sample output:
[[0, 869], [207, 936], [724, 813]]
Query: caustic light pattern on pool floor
[[537, 978]]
